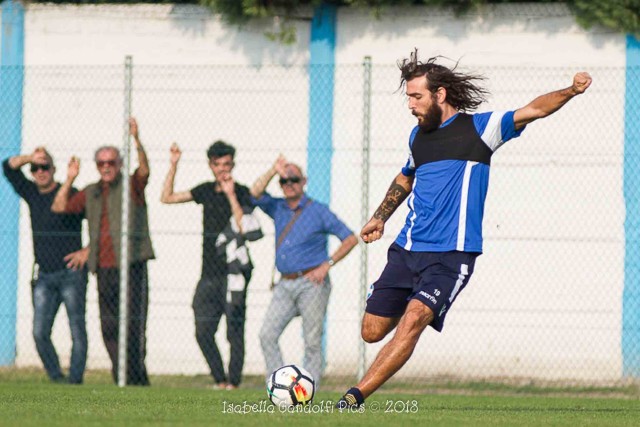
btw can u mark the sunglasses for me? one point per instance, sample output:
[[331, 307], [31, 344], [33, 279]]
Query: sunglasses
[[103, 163], [290, 180], [42, 167]]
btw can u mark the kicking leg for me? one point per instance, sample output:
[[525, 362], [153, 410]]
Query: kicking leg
[[397, 352], [393, 355]]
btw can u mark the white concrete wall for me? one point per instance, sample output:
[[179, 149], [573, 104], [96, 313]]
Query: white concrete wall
[[545, 299]]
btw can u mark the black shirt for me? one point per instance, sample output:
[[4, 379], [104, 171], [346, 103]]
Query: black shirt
[[54, 235], [216, 215]]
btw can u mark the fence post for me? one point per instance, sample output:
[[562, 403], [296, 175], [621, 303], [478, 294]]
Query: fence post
[[124, 229], [364, 254]]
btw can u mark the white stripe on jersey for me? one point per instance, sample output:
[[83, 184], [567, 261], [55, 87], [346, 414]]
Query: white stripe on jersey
[[492, 135], [407, 246], [462, 219], [464, 271]]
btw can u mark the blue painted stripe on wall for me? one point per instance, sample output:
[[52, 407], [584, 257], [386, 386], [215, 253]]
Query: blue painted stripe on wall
[[320, 139], [11, 82], [631, 293], [321, 84]]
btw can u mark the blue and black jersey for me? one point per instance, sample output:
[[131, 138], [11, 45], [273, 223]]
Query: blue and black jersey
[[451, 168]]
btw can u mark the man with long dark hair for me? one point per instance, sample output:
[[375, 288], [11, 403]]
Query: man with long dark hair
[[445, 180]]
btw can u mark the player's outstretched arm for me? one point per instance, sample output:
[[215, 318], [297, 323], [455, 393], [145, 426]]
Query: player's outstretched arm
[[549, 103], [396, 194]]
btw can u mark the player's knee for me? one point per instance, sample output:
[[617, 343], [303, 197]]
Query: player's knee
[[415, 321]]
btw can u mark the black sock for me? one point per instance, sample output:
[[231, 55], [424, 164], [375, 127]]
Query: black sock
[[357, 394]]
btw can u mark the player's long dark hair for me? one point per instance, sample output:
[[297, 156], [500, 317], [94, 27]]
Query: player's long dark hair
[[463, 93]]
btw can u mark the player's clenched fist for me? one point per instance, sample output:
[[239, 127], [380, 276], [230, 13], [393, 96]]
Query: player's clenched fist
[[372, 231], [581, 81]]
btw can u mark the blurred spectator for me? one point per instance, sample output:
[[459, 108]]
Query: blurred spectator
[[59, 273], [302, 227], [102, 204], [227, 222]]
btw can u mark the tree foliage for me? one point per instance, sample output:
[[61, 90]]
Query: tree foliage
[[617, 15]]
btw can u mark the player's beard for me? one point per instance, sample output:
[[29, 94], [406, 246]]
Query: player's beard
[[432, 119]]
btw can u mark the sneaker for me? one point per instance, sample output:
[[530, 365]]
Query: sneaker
[[220, 386], [231, 387]]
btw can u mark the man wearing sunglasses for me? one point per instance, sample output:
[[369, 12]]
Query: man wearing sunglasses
[[302, 229], [101, 202], [227, 222], [59, 273]]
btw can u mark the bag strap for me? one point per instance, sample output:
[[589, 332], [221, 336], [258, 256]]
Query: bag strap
[[283, 235], [292, 221]]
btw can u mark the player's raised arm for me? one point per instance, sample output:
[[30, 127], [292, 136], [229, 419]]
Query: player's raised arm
[[549, 103], [398, 191]]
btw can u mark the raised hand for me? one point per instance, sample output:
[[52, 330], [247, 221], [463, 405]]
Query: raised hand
[[39, 155], [133, 128], [74, 168], [581, 81], [175, 155], [280, 166]]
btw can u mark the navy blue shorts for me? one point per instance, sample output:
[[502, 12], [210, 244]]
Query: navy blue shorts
[[433, 278]]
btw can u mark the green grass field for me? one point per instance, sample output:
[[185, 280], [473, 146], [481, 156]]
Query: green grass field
[[27, 399]]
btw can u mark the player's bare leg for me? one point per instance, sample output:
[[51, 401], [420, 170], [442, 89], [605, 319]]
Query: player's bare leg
[[393, 355], [375, 328]]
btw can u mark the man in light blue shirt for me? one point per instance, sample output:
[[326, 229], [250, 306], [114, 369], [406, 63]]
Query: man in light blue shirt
[[302, 228]]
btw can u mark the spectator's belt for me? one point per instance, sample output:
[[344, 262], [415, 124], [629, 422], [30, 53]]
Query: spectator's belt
[[291, 276]]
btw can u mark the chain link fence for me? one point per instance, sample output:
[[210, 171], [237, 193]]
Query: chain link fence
[[545, 300]]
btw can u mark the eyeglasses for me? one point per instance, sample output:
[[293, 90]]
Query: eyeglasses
[[103, 163], [290, 180], [43, 167]]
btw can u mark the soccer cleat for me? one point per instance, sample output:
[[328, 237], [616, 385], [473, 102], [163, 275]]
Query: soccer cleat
[[352, 399]]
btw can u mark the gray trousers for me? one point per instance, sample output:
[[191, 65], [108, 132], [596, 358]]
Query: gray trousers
[[291, 298]]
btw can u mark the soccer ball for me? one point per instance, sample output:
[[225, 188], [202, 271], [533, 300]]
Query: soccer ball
[[290, 385]]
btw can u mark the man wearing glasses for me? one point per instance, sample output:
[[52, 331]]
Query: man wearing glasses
[[59, 273], [302, 226], [101, 202]]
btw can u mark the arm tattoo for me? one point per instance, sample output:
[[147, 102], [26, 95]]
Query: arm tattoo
[[395, 195]]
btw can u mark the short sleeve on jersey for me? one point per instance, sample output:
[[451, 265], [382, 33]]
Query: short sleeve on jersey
[[495, 128]]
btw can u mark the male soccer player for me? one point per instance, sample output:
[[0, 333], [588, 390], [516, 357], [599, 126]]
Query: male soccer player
[[445, 180]]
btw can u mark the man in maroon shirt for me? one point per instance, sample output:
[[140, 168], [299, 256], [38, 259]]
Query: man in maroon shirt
[[101, 203]]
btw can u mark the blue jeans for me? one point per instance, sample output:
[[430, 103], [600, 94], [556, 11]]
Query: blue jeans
[[49, 290]]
